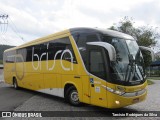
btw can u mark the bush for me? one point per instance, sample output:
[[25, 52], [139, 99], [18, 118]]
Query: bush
[[1, 61]]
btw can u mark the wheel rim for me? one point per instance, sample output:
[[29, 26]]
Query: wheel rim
[[74, 96]]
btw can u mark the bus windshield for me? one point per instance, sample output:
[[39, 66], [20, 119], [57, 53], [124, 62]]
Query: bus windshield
[[128, 67]]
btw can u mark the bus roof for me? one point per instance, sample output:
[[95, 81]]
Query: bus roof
[[75, 30], [39, 40], [103, 31]]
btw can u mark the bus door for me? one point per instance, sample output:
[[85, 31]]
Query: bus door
[[97, 69]]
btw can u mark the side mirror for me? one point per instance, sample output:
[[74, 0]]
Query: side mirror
[[148, 49], [111, 50]]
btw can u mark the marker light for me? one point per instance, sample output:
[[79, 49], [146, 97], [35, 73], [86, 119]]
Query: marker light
[[117, 102]]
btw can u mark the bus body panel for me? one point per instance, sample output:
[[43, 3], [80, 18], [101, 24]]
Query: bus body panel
[[9, 72], [86, 89], [98, 93]]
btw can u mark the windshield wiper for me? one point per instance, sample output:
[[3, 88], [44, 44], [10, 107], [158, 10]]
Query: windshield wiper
[[130, 72], [131, 68], [137, 56], [141, 73]]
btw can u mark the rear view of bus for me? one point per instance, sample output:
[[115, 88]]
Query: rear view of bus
[[115, 66]]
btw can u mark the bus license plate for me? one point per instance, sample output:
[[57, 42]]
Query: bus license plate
[[135, 100]]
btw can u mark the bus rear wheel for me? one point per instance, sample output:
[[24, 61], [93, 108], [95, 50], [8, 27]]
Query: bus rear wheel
[[15, 84], [73, 97]]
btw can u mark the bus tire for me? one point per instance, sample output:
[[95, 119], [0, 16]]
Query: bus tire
[[15, 84], [73, 98]]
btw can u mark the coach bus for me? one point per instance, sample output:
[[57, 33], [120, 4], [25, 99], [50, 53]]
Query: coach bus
[[83, 65]]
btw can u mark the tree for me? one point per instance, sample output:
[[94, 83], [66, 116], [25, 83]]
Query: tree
[[157, 58], [145, 35], [2, 49]]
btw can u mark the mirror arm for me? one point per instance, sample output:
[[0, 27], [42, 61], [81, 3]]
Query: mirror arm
[[111, 50]]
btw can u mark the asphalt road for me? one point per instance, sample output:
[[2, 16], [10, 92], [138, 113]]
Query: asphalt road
[[10, 98], [1, 75]]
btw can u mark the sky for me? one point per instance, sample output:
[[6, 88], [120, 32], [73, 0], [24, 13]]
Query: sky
[[32, 19]]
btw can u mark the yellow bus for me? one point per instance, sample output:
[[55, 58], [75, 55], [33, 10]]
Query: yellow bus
[[88, 65]]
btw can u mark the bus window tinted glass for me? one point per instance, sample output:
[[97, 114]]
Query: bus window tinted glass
[[81, 39]]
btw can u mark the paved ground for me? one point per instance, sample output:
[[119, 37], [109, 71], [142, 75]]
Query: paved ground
[[10, 98], [1, 66], [1, 75], [25, 100]]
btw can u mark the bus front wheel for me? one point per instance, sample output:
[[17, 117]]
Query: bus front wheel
[[73, 97]]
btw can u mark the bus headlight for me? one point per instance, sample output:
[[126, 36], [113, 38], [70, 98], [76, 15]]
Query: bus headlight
[[110, 89], [118, 92]]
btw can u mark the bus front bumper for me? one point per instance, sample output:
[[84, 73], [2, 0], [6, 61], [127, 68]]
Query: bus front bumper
[[118, 101]]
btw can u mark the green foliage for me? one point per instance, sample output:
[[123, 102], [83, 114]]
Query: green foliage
[[157, 58], [145, 35], [153, 78], [150, 82], [1, 61], [147, 58], [2, 49]]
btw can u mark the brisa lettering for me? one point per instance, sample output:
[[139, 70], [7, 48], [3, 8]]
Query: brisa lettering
[[45, 54]]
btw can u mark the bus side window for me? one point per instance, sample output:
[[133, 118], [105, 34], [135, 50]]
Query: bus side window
[[9, 57], [23, 53], [81, 40], [65, 42]]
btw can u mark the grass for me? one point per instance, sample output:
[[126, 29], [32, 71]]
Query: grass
[[153, 78], [1, 61], [150, 82]]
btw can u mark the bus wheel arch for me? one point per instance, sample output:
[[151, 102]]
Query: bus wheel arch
[[71, 94], [15, 84]]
